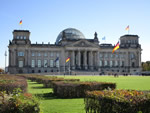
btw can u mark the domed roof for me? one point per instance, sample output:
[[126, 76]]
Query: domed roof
[[70, 33]]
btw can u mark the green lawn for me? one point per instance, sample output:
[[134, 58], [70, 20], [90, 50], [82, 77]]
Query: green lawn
[[51, 104]]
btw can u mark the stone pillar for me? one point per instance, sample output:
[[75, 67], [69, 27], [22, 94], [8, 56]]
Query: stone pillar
[[97, 59], [10, 55], [85, 60], [91, 60], [15, 55], [73, 60], [29, 58], [26, 58], [79, 60]]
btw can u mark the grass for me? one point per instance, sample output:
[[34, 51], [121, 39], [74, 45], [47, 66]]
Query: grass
[[51, 104]]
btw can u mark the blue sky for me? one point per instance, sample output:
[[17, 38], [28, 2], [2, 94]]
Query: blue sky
[[47, 18]]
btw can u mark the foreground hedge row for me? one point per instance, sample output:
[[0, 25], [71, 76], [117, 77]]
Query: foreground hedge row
[[117, 101], [9, 82], [77, 89], [18, 102]]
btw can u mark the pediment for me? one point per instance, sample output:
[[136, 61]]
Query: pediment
[[83, 43]]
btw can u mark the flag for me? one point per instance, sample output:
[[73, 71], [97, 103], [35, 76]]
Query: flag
[[5, 53], [56, 59], [127, 28], [116, 47], [67, 59], [20, 22], [104, 38]]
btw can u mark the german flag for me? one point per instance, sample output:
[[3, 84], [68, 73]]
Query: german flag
[[20, 22], [67, 59], [116, 47]]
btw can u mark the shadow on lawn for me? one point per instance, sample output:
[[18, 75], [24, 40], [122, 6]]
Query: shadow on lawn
[[46, 96]]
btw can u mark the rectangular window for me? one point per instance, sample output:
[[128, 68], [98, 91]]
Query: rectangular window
[[39, 63], [105, 63], [39, 54], [100, 55], [45, 54], [116, 63], [57, 54], [106, 55], [20, 63], [33, 63], [20, 53], [100, 63], [51, 63], [51, 54], [33, 54], [45, 63], [57, 63], [120, 63], [111, 63]]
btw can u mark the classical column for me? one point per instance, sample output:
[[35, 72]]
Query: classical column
[[29, 58], [91, 60], [15, 55], [73, 60], [97, 59], [26, 57], [10, 55], [85, 60], [79, 59]]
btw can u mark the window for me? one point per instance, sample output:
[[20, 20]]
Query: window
[[132, 55], [39, 63], [111, 55], [39, 54], [33, 63], [33, 54], [116, 55], [51, 63], [111, 63], [105, 62], [20, 63], [100, 63], [25, 37], [100, 55], [116, 63], [106, 55], [45, 63], [20, 53], [51, 54], [17, 37], [120, 63], [57, 54], [21, 37], [45, 54], [57, 63]]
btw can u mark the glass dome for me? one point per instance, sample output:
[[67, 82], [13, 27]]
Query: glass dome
[[70, 33]]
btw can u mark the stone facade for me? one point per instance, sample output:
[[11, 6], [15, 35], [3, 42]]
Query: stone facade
[[86, 55]]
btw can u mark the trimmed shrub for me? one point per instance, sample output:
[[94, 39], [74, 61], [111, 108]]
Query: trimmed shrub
[[9, 82], [18, 103], [117, 101], [77, 89]]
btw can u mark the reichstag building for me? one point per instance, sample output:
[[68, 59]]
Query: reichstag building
[[86, 56]]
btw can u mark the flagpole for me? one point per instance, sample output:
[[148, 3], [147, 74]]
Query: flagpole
[[5, 60]]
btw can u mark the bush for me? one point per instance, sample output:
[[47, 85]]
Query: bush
[[117, 101], [18, 103], [9, 82], [77, 89]]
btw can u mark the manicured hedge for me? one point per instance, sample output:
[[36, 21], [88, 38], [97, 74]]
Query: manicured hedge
[[47, 81], [77, 89], [9, 82], [18, 103], [117, 101]]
